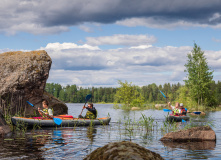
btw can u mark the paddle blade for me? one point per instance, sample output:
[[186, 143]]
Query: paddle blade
[[30, 103], [196, 112], [57, 121], [163, 94], [166, 110], [87, 98]]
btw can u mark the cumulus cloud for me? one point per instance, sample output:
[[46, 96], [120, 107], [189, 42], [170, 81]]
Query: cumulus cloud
[[89, 67], [49, 16], [83, 66], [121, 39]]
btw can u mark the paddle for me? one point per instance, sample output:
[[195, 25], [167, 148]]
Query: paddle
[[168, 110], [163, 95], [86, 99], [57, 121]]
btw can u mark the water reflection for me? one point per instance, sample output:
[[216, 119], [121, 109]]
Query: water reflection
[[57, 137], [205, 145], [12, 148], [91, 133]]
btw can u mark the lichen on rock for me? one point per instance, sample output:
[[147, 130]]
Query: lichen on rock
[[123, 150], [194, 134], [23, 78]]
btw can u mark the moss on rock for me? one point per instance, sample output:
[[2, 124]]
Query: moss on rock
[[123, 150]]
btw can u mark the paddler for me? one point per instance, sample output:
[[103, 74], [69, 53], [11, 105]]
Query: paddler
[[183, 110], [46, 109], [176, 109], [91, 113]]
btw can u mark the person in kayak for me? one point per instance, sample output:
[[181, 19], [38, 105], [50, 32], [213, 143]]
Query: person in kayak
[[183, 110], [176, 109], [91, 113], [46, 109]]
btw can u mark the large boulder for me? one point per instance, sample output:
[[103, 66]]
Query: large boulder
[[123, 150], [23, 78], [195, 134]]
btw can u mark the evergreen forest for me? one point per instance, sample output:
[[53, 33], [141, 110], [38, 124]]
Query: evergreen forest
[[151, 93]]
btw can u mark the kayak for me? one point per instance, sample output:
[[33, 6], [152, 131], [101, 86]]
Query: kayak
[[173, 118], [67, 121]]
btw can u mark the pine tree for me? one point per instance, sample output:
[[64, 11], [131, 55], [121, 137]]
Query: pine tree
[[199, 76]]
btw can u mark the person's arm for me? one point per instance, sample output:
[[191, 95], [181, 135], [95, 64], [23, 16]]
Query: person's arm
[[40, 111], [169, 105]]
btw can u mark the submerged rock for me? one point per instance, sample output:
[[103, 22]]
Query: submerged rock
[[195, 134], [123, 150], [23, 78]]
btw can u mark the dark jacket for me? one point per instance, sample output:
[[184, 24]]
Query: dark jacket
[[91, 113]]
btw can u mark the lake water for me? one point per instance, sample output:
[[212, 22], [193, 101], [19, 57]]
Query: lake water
[[75, 143]]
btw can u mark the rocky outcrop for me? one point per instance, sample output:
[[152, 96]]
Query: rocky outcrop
[[123, 150], [195, 134], [23, 78]]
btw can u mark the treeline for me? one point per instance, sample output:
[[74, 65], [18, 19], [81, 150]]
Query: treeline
[[151, 93]]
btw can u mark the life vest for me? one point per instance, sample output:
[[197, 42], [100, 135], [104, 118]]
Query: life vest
[[90, 115], [45, 110], [183, 111], [175, 111]]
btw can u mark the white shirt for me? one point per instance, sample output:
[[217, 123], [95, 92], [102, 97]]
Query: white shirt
[[50, 113]]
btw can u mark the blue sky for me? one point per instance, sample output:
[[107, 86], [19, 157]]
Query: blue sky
[[98, 42]]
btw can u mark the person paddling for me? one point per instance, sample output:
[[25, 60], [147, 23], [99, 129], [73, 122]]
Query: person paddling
[[183, 110], [46, 110], [91, 113], [175, 109]]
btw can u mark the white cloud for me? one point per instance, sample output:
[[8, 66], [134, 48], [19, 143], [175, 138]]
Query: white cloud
[[59, 46], [88, 67], [164, 23], [122, 39]]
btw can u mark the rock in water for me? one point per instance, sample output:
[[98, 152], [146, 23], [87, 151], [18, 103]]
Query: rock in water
[[123, 150], [195, 134], [23, 78]]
